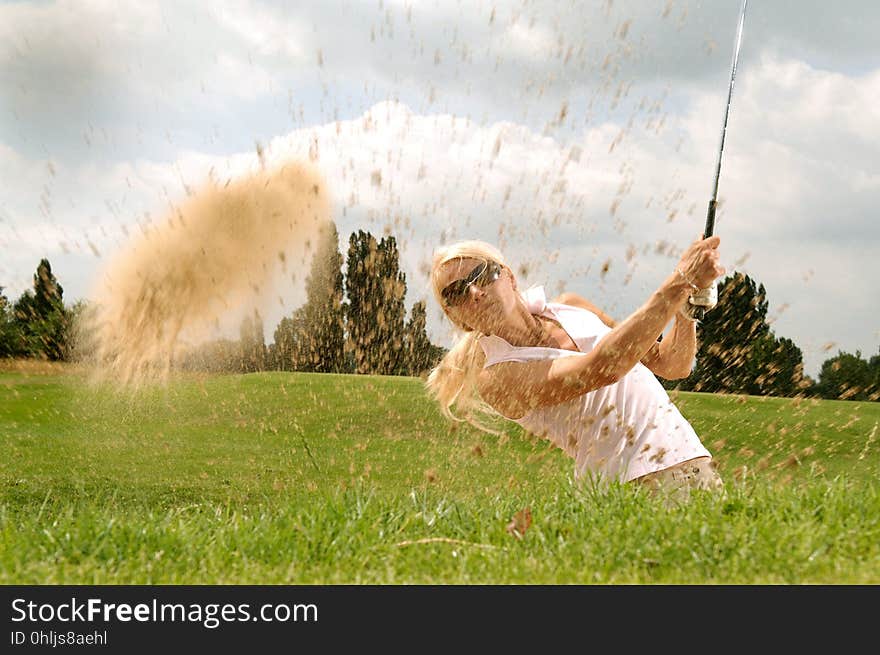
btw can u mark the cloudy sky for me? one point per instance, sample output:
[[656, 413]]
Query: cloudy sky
[[581, 137]]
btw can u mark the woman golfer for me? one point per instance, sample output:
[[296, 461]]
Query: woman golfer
[[565, 371]]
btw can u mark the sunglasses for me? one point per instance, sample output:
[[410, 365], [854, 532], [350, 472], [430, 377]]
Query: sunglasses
[[483, 275]]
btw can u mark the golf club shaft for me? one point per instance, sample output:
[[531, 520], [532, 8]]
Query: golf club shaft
[[713, 202]]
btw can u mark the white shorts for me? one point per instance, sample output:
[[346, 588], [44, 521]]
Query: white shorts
[[678, 480]]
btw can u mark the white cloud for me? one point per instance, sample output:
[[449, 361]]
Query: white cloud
[[265, 31], [426, 178], [533, 42]]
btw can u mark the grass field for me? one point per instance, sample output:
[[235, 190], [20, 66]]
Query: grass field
[[280, 478]]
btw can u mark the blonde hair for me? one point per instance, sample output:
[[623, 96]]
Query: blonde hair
[[453, 382]]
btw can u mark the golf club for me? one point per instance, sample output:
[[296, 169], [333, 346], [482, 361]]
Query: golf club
[[706, 299]]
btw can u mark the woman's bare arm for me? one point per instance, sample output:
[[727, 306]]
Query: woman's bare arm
[[514, 388], [671, 358]]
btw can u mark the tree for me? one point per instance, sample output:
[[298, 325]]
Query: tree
[[784, 370], [392, 317], [41, 317], [375, 311], [874, 371], [727, 334], [259, 339], [77, 342], [220, 356], [846, 377], [285, 335], [421, 354], [10, 335], [738, 352], [777, 366], [252, 344], [316, 338], [271, 358]]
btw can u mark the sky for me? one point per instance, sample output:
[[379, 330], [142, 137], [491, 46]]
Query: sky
[[579, 137]]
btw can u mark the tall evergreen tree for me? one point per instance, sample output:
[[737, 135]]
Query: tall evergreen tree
[[360, 288], [375, 311], [47, 291], [738, 352], [392, 317], [41, 317], [733, 339], [317, 339], [419, 349]]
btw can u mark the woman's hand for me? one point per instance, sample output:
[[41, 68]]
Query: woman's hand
[[700, 263]]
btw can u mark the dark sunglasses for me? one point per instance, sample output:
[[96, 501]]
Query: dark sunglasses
[[483, 275]]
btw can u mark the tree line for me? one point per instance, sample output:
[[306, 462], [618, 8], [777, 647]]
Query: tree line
[[38, 324], [739, 353], [354, 320]]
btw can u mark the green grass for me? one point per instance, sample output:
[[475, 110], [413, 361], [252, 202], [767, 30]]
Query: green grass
[[300, 479]]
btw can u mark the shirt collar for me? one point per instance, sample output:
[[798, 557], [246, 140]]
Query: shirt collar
[[535, 299]]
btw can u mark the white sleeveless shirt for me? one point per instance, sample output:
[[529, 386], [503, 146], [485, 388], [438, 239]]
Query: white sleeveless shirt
[[617, 432]]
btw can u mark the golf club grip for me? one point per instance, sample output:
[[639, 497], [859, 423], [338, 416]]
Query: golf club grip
[[710, 220], [699, 312]]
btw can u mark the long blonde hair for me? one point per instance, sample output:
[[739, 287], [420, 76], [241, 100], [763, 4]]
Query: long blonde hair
[[453, 382]]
